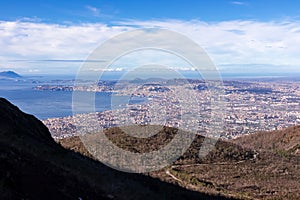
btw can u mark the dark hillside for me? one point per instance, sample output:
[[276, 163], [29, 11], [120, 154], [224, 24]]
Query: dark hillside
[[34, 166]]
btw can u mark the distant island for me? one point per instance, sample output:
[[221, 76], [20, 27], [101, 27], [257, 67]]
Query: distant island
[[9, 74]]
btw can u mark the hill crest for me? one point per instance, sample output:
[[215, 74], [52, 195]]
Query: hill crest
[[9, 74]]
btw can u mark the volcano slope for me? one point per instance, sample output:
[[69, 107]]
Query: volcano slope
[[34, 166], [260, 166]]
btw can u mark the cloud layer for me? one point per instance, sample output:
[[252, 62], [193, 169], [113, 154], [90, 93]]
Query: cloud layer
[[232, 45]]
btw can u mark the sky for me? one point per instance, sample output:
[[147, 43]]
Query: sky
[[56, 37]]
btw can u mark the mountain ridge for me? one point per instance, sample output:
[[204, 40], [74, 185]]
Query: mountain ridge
[[34, 166], [233, 168], [287, 140]]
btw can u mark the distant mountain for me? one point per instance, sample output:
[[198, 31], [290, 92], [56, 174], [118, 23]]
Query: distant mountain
[[9, 74], [34, 166]]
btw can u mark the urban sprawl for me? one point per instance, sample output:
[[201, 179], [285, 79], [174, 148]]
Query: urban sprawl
[[235, 107]]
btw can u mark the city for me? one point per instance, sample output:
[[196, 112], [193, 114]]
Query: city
[[249, 106]]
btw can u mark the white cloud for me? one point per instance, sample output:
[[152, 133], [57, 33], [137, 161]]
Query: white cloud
[[95, 11], [239, 3], [39, 41], [227, 43], [34, 70], [118, 69], [241, 42]]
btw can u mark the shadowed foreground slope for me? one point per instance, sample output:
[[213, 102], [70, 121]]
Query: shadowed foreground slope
[[34, 166]]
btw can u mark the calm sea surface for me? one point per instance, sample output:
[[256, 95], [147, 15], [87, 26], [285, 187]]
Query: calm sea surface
[[50, 104]]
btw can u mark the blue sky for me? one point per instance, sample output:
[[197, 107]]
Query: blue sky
[[108, 11], [260, 36]]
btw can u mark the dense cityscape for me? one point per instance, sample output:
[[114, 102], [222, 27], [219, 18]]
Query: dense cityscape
[[249, 106]]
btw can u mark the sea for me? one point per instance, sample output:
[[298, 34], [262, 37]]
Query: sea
[[46, 104]]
